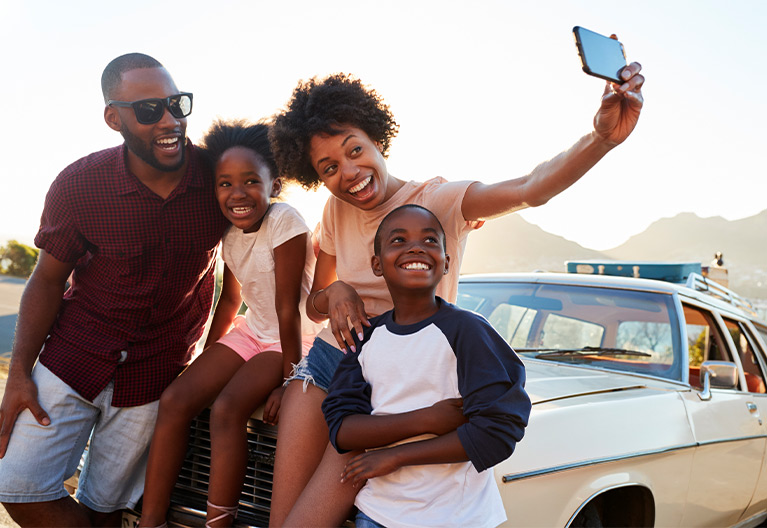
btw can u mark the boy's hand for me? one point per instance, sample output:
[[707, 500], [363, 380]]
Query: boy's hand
[[345, 306], [368, 465], [272, 406], [445, 416]]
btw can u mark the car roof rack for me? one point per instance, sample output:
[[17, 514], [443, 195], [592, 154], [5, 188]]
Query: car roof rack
[[700, 283], [689, 274], [676, 272]]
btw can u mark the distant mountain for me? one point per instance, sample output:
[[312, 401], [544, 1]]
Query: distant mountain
[[510, 244], [687, 237]]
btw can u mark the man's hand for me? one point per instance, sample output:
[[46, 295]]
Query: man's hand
[[345, 306], [20, 394], [621, 105]]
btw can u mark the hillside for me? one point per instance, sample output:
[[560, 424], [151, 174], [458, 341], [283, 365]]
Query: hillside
[[510, 243], [687, 237]]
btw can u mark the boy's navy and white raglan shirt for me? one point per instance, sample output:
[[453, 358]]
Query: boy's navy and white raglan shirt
[[454, 353]]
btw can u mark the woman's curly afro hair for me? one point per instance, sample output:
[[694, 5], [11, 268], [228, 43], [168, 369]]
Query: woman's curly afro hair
[[323, 107]]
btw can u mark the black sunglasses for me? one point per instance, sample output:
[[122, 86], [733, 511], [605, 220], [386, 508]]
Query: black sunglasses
[[150, 111]]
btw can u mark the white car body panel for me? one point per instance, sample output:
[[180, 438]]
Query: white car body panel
[[622, 422]]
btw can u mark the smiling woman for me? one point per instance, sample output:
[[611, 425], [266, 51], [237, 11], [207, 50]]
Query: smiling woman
[[337, 131]]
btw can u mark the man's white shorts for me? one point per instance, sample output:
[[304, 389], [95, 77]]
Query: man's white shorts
[[40, 458]]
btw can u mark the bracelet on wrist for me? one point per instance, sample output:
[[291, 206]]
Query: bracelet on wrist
[[314, 296]]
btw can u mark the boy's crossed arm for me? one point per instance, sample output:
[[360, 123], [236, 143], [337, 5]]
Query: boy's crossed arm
[[491, 378], [347, 410], [444, 449]]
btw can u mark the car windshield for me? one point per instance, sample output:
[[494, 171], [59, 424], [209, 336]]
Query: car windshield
[[616, 329]]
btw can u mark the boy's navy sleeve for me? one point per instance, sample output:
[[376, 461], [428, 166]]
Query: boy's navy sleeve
[[348, 394], [491, 380]]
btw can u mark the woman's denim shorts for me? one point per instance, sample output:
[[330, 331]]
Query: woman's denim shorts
[[318, 366]]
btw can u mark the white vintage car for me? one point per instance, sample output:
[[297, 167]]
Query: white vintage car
[[648, 398]]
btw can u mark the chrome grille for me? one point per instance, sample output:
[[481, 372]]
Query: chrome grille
[[192, 485]]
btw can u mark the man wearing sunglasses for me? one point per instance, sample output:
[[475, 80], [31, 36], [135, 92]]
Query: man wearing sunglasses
[[133, 231]]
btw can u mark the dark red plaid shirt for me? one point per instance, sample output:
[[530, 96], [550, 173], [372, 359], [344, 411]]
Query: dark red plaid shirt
[[142, 285]]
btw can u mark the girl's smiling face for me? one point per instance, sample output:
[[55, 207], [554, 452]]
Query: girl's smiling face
[[245, 187], [352, 167]]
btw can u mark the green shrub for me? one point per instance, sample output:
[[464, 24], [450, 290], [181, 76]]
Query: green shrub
[[18, 259]]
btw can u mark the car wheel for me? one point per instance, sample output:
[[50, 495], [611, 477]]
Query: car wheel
[[588, 517]]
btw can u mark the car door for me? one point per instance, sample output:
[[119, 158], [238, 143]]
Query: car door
[[728, 428], [754, 363]]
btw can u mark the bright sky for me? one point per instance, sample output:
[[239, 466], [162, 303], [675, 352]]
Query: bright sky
[[482, 90]]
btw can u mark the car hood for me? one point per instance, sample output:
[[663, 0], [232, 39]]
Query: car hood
[[547, 381]]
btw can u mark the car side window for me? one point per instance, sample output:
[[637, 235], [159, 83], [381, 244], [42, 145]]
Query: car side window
[[513, 323], [762, 332], [745, 347], [704, 341]]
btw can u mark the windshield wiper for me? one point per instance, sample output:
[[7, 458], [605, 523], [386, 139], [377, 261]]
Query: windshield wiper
[[583, 351]]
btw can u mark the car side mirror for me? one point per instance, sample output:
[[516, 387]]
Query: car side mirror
[[719, 375]]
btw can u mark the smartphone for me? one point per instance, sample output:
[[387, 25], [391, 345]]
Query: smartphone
[[601, 56]]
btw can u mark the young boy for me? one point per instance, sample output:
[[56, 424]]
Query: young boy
[[423, 351]]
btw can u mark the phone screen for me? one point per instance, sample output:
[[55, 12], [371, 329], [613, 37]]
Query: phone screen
[[601, 56]]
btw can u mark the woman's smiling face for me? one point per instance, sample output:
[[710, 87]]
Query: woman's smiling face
[[352, 167]]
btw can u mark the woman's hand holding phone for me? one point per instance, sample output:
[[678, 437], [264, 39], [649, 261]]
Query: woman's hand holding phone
[[622, 99]]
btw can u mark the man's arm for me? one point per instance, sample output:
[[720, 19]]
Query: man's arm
[[617, 116], [39, 307]]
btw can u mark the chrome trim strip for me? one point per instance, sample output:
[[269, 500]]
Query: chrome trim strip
[[519, 476], [591, 393], [538, 472], [728, 440]]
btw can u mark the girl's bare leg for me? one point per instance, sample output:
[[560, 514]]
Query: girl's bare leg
[[302, 436], [247, 390], [189, 394]]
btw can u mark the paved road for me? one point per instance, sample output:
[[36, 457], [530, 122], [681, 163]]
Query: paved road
[[10, 294], [5, 520]]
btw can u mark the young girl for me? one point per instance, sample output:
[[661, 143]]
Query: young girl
[[337, 132], [269, 264]]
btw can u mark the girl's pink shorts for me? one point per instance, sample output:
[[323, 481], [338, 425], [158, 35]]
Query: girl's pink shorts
[[241, 339]]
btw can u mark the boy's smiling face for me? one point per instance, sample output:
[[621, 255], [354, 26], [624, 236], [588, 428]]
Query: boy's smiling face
[[412, 251], [352, 167]]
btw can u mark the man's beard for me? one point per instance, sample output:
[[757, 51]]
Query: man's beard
[[146, 154]]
